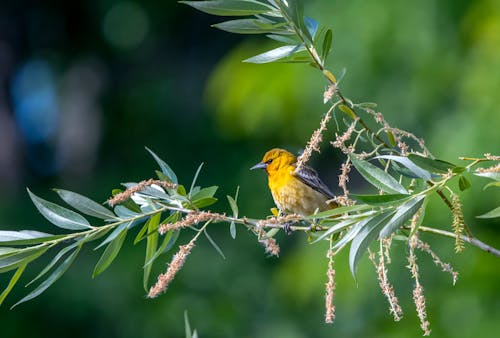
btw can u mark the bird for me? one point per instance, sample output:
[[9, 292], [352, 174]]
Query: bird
[[294, 191]]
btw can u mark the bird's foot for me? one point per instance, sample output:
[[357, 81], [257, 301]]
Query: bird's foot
[[287, 227]]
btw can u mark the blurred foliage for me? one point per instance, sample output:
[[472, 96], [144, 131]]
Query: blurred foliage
[[431, 67]]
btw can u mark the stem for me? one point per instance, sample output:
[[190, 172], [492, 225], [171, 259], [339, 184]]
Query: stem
[[471, 240]]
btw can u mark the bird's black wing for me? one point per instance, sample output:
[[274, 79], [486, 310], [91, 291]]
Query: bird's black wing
[[309, 176]]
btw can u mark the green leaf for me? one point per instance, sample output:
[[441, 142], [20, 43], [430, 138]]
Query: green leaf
[[250, 26], [216, 247], [14, 259], [491, 214], [205, 192], [118, 230], [493, 176], [12, 282], [234, 209], [458, 170], [391, 138], [204, 202], [294, 10], [151, 247], [432, 165], [351, 233], [167, 244], [348, 111], [377, 176], [327, 45], [364, 238], [491, 184], [232, 230], [26, 237], [386, 199], [338, 226], [109, 254], [186, 325], [463, 183], [60, 216], [284, 39], [420, 219], [7, 251], [338, 211], [56, 258], [403, 213], [164, 166], [271, 233], [84, 204], [233, 205], [125, 213], [229, 7], [311, 26], [195, 178], [56, 274], [416, 170], [276, 54]]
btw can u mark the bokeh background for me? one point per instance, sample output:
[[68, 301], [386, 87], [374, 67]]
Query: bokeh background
[[85, 85]]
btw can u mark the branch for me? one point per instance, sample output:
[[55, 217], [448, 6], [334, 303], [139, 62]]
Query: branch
[[471, 240]]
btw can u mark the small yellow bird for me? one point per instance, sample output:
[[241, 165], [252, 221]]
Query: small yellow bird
[[299, 192]]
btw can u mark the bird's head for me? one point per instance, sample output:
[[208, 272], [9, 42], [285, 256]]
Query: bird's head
[[274, 160]]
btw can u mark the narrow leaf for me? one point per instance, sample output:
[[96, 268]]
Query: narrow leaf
[[232, 230], [284, 39], [26, 237], [216, 247], [249, 26], [493, 176], [186, 325], [403, 213], [416, 170], [335, 228], [12, 282], [164, 166], [377, 176], [205, 192], [16, 258], [118, 230], [338, 211], [386, 199], [491, 214], [151, 247], [56, 274], [60, 216], [167, 244], [363, 239], [351, 233], [233, 205], [275, 54], [195, 178], [432, 165], [109, 254], [56, 258], [229, 7], [491, 184], [84, 204], [327, 45], [311, 26], [204, 202]]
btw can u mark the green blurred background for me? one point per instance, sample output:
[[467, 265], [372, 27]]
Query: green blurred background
[[87, 84]]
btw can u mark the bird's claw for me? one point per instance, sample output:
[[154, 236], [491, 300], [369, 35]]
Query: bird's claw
[[287, 227]]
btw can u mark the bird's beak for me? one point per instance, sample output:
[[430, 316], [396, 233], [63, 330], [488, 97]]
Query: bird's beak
[[259, 166]]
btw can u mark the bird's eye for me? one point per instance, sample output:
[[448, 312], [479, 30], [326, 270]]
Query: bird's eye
[[269, 161]]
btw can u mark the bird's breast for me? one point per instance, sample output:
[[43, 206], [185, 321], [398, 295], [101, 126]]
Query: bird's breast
[[291, 195]]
